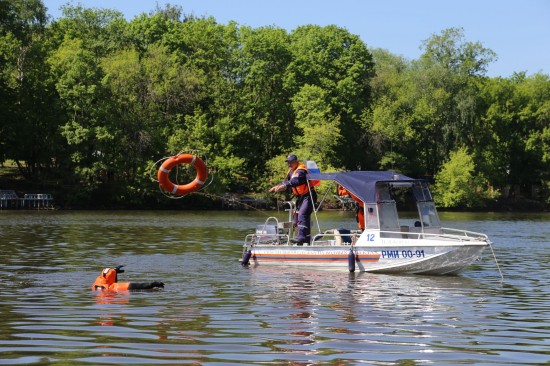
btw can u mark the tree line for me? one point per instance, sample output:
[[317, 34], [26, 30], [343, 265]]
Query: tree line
[[90, 101]]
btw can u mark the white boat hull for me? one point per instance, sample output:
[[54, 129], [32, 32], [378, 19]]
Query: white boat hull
[[387, 242], [427, 258]]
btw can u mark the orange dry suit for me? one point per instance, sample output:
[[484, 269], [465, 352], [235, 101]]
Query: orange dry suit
[[107, 280], [360, 214]]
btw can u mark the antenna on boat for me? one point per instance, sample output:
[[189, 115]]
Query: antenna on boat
[[391, 152]]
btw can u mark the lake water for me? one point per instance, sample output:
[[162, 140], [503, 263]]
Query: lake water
[[214, 312]]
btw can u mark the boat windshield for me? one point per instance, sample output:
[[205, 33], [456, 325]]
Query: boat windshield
[[389, 220], [395, 201], [421, 192], [428, 213]]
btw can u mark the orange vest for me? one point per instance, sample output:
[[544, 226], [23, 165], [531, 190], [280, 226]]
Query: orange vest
[[360, 212], [107, 280], [343, 192], [302, 188]]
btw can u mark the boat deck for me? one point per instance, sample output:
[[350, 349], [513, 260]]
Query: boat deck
[[279, 235]]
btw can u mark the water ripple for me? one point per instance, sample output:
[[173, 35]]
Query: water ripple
[[214, 312]]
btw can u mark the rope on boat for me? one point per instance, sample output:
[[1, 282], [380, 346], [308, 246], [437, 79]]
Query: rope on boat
[[225, 199], [496, 262]]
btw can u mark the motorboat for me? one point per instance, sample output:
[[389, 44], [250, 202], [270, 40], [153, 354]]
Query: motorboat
[[402, 231]]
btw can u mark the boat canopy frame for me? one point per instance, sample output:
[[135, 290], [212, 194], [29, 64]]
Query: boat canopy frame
[[363, 183]]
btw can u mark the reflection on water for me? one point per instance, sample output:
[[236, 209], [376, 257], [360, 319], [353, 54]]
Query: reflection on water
[[213, 311]]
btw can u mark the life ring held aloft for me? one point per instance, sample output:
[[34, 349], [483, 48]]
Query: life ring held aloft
[[180, 190]]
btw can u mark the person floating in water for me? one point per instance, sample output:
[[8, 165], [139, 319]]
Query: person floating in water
[[108, 281]]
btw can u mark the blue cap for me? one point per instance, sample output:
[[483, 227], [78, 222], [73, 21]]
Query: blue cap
[[291, 157]]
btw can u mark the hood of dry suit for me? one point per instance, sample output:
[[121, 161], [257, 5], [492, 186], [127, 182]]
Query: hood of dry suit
[[107, 277]]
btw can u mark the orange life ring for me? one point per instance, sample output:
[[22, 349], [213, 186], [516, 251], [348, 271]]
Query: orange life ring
[[198, 182]]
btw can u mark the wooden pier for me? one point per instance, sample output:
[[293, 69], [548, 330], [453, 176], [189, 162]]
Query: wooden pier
[[10, 200]]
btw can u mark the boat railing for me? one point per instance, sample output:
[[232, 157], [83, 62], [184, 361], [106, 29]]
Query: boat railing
[[438, 232], [270, 232], [274, 239], [466, 233], [336, 237], [290, 207]]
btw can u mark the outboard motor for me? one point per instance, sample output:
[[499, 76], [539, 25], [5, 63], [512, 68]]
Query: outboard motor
[[246, 259], [351, 260]]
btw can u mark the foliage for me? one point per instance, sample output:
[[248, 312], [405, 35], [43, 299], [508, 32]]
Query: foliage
[[319, 134], [340, 64], [459, 185], [91, 101]]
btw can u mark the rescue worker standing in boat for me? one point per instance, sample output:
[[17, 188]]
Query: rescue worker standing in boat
[[360, 210], [306, 196]]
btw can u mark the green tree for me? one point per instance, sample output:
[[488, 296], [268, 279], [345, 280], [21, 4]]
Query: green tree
[[389, 123], [264, 104], [458, 184], [147, 30], [517, 120], [28, 103], [320, 133], [96, 100], [79, 87], [450, 51], [102, 31], [83, 40], [340, 64], [423, 110], [253, 112], [447, 111]]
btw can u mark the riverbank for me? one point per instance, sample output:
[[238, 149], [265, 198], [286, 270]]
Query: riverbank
[[62, 197]]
